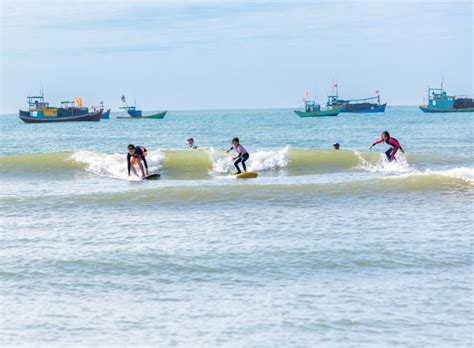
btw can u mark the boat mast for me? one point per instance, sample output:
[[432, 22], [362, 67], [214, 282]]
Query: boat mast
[[314, 90]]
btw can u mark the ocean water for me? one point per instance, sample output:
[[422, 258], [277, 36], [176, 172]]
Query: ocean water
[[324, 248]]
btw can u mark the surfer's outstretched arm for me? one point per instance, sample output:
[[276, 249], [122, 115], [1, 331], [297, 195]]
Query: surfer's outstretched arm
[[375, 143]]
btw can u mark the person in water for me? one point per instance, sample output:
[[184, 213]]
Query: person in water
[[242, 157], [137, 154], [394, 143], [191, 145], [336, 146]]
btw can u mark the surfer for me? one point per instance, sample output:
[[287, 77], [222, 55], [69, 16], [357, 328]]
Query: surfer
[[394, 143], [137, 154], [242, 157], [191, 145]]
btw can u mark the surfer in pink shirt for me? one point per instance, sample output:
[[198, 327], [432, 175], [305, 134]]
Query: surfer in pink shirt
[[394, 143], [242, 157]]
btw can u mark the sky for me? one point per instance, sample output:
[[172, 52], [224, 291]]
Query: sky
[[180, 55]]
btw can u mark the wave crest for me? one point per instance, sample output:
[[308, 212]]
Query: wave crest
[[114, 165]]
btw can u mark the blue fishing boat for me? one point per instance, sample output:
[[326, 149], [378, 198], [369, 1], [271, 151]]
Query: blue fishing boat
[[440, 101], [138, 114], [106, 115]]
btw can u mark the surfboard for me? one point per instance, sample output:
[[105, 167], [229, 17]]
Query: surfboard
[[152, 177], [247, 175]]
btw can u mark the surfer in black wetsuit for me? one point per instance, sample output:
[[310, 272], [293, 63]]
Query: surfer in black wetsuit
[[137, 154]]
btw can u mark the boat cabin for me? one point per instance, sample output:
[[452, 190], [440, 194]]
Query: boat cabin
[[311, 106], [37, 103], [132, 111], [437, 98]]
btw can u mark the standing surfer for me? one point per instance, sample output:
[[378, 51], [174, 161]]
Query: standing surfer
[[394, 143], [242, 157]]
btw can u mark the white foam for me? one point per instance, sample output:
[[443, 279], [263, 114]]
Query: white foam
[[115, 165], [384, 166], [463, 173], [258, 161]]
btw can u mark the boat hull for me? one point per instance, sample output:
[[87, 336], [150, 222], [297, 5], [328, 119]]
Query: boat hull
[[365, 110], [158, 116], [425, 108], [106, 115], [90, 117], [323, 113]]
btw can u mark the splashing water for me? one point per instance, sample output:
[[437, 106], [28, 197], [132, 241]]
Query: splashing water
[[115, 165], [259, 161]]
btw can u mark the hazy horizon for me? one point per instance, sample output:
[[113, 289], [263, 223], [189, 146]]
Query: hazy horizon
[[208, 55]]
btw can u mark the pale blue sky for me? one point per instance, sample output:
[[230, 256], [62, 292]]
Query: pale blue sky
[[239, 54]]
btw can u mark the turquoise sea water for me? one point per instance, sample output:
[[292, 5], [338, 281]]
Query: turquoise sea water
[[325, 247]]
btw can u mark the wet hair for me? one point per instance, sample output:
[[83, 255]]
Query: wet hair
[[386, 133], [236, 139], [191, 139], [131, 147]]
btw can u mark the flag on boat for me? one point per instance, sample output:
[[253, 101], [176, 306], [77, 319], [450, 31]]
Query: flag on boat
[[78, 101], [123, 99]]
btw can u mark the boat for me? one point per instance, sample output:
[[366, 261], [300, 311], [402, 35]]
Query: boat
[[105, 115], [364, 105], [39, 111], [313, 109], [440, 101], [138, 114]]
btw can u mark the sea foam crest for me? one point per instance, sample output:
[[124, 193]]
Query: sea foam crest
[[461, 173], [383, 165], [258, 161], [115, 165]]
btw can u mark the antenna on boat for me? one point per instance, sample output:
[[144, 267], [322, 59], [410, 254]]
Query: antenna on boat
[[41, 90], [314, 89], [442, 79], [335, 87]]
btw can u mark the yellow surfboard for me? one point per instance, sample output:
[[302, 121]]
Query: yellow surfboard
[[247, 175]]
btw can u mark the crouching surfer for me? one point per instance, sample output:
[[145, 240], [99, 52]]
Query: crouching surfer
[[242, 157], [394, 143], [137, 154]]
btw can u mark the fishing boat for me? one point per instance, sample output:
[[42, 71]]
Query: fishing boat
[[440, 101], [364, 105], [313, 109], [39, 111], [105, 115], [138, 114]]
